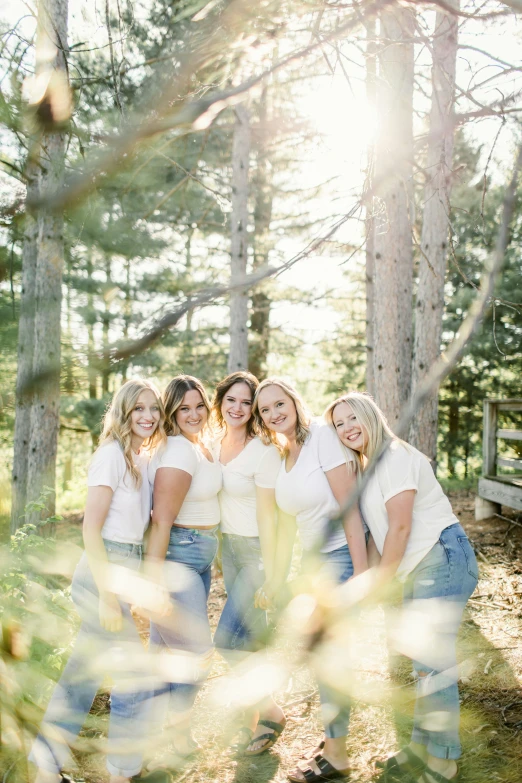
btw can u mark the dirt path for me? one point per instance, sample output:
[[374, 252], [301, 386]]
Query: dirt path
[[491, 657]]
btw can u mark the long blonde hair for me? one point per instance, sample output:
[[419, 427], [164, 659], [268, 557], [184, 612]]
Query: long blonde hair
[[369, 416], [173, 397], [304, 417], [117, 422]]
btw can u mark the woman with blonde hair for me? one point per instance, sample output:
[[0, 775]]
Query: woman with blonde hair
[[117, 513], [183, 543], [421, 544], [248, 528], [312, 485]]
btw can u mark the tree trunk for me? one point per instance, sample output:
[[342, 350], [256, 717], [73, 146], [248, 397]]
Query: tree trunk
[[393, 272], [24, 382], [260, 314], [434, 239], [238, 356], [371, 74], [45, 411], [106, 321]]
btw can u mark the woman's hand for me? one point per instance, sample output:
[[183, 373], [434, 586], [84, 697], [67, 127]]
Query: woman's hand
[[111, 618], [264, 597]]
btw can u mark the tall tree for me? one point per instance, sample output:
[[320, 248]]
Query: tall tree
[[393, 271], [238, 355], [263, 201], [24, 380], [51, 51], [371, 75], [435, 226]]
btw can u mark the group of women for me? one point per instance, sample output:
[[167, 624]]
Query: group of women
[[257, 465]]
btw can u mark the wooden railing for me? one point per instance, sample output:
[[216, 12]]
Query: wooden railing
[[505, 489]]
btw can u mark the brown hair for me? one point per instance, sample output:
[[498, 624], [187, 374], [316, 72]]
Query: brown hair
[[173, 397], [302, 426], [117, 422], [241, 376]]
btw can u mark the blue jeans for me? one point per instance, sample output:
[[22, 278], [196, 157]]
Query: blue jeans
[[241, 626], [336, 716], [188, 565], [98, 652], [435, 594]]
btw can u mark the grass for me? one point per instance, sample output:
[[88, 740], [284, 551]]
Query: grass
[[491, 671]]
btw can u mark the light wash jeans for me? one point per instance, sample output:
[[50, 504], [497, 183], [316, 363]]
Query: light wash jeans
[[241, 627], [188, 564], [96, 653], [338, 565], [435, 594]]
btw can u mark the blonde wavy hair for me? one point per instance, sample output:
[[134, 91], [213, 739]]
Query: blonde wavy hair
[[173, 397], [117, 422], [369, 416], [304, 417]]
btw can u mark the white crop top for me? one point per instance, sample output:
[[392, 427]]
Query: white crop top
[[201, 506], [129, 512]]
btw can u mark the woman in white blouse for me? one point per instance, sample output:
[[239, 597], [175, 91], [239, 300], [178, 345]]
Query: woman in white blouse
[[422, 544], [314, 481], [185, 519], [248, 526]]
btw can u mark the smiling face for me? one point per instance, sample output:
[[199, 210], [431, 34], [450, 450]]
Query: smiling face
[[192, 415], [145, 417], [350, 432], [236, 407], [277, 410]]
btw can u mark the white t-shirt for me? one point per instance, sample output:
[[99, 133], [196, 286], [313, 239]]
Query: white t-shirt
[[304, 491], [256, 466], [129, 512], [402, 468], [201, 506]]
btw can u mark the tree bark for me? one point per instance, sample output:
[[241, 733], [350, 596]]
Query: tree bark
[[238, 356], [24, 384], [434, 239], [371, 74], [260, 313], [45, 411], [393, 273]]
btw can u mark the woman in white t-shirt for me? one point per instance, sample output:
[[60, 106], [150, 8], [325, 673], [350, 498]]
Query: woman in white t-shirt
[[183, 542], [117, 514], [422, 544], [248, 527], [314, 481]]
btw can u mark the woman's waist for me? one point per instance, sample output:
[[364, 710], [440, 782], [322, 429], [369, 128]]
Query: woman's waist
[[130, 547], [179, 529]]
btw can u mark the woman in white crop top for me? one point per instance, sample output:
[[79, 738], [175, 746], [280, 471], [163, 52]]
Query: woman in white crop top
[[422, 544], [117, 514], [182, 545], [314, 481], [248, 526]]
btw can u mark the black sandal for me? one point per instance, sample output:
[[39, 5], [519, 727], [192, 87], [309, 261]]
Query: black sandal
[[438, 777], [269, 739], [241, 743], [326, 772], [393, 771]]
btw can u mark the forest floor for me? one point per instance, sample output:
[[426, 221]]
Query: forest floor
[[490, 653]]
